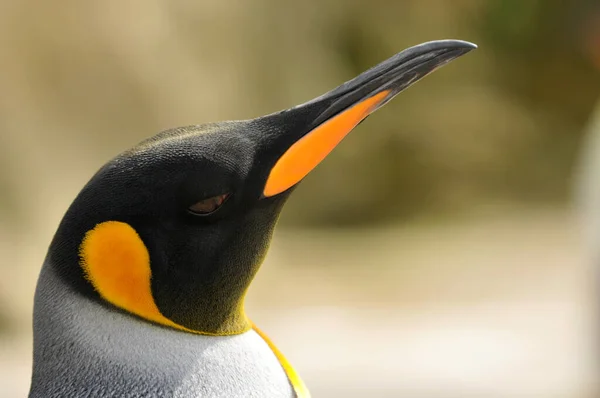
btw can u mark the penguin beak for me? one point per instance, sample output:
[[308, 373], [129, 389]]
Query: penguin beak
[[343, 108]]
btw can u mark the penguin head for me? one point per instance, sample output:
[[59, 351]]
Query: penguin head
[[174, 230]]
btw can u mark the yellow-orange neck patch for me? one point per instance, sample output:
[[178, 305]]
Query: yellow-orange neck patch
[[116, 262]]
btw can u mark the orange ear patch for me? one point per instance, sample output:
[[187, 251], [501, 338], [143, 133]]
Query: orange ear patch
[[116, 262], [306, 153]]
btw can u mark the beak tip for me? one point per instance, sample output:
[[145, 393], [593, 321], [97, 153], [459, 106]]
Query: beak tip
[[468, 46], [450, 44]]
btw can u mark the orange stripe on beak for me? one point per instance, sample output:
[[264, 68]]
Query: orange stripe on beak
[[310, 150]]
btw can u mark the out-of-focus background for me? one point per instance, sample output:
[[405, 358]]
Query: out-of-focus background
[[436, 253]]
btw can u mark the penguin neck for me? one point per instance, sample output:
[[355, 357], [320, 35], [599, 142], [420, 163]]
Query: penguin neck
[[215, 306], [219, 313], [81, 345], [212, 304], [65, 318]]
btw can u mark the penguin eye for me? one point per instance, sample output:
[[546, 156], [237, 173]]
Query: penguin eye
[[208, 206]]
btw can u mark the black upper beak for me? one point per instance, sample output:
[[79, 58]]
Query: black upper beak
[[394, 74]]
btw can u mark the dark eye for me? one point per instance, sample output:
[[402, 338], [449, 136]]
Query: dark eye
[[208, 205]]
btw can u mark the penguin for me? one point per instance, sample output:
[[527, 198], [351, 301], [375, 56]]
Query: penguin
[[141, 293]]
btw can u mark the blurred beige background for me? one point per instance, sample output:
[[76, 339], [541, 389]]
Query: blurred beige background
[[435, 253]]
